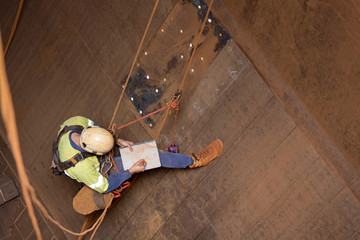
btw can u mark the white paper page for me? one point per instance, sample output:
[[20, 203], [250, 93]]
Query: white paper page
[[146, 150]]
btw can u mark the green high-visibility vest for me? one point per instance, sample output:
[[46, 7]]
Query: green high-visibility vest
[[86, 171]]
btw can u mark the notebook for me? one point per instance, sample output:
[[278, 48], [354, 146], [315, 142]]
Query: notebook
[[145, 150]]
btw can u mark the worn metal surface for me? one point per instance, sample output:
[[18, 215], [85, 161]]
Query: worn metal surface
[[271, 181], [308, 52], [163, 62], [8, 189], [63, 63]]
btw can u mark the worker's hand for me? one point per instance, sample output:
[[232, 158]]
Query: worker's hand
[[139, 166], [124, 143]]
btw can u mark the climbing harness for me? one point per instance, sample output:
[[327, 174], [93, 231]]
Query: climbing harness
[[10, 124], [59, 167], [117, 192], [105, 164], [175, 104]]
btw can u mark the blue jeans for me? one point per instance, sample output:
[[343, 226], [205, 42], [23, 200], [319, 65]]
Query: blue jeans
[[167, 159]]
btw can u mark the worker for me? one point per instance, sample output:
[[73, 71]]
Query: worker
[[81, 143]]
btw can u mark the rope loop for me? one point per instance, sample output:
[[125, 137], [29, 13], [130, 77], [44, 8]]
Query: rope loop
[[117, 192], [175, 104]]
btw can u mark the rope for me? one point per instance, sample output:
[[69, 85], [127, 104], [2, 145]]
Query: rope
[[182, 82], [163, 121], [85, 224], [188, 66], [47, 216], [125, 125], [118, 199], [117, 192], [14, 26], [133, 64], [115, 200], [113, 161], [8, 115], [101, 218], [176, 105], [124, 88], [196, 45]]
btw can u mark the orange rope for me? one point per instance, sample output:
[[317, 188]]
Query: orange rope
[[8, 115], [163, 121], [123, 91], [101, 218], [196, 45], [14, 26], [85, 224], [133, 64], [188, 66], [182, 82], [117, 192], [176, 114], [113, 161], [148, 115], [46, 214]]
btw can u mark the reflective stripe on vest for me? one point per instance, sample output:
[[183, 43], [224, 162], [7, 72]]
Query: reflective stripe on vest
[[86, 171]]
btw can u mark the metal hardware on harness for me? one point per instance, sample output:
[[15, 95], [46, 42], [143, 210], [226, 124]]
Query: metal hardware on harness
[[79, 157], [106, 163], [173, 147], [55, 169], [177, 95]]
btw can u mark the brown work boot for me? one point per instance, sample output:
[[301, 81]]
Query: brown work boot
[[87, 200], [204, 157]]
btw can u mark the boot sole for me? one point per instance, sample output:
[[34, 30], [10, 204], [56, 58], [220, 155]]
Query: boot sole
[[221, 147]]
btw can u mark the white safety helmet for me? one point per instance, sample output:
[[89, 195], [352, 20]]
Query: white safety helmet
[[96, 140]]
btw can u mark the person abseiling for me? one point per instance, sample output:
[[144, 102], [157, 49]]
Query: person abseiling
[[81, 145]]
